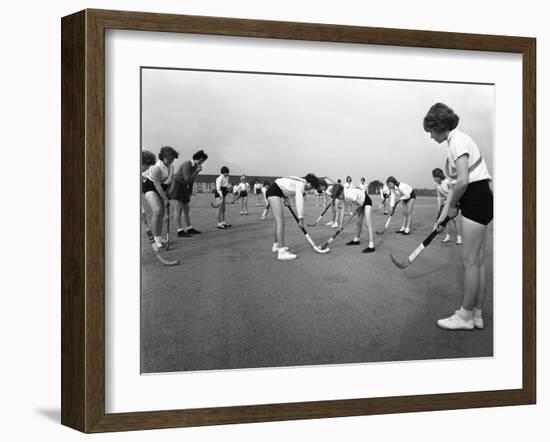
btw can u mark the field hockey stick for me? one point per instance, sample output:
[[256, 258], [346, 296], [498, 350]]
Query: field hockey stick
[[404, 264], [322, 214], [335, 234], [309, 240], [167, 246], [380, 232], [166, 262]]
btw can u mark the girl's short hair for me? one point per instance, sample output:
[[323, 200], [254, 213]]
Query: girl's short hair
[[168, 152], [440, 118], [267, 183], [147, 158], [392, 180], [348, 178], [362, 179], [243, 177], [313, 180], [224, 169], [337, 190], [200, 155], [438, 173]]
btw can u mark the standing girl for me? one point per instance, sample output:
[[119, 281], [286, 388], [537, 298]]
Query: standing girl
[[222, 185], [406, 195], [363, 203], [258, 192], [243, 188], [182, 189], [443, 188], [348, 185], [155, 181], [472, 194], [277, 195]]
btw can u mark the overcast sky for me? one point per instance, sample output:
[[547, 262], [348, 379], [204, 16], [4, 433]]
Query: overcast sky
[[289, 125]]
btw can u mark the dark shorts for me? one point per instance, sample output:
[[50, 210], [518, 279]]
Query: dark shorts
[[412, 197], [243, 193], [368, 201], [148, 186], [477, 202], [385, 195], [224, 193], [274, 190], [258, 191], [180, 191]]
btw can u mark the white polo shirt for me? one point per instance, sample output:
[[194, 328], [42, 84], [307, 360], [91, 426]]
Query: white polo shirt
[[221, 181], [159, 173], [460, 144], [296, 187], [443, 189], [404, 191], [353, 195]]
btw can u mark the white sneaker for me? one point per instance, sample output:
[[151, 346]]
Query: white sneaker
[[459, 240], [276, 248], [329, 224], [478, 321], [285, 255], [446, 239], [455, 322], [334, 226]]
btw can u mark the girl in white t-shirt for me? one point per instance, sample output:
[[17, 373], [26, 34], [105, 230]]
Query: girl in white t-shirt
[[243, 189], [154, 185], [222, 188], [360, 201], [473, 195], [404, 193], [258, 192], [443, 188], [277, 195]]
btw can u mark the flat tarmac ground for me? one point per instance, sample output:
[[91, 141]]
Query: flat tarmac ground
[[231, 304]]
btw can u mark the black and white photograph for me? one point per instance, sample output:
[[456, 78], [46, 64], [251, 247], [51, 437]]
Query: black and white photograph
[[294, 220]]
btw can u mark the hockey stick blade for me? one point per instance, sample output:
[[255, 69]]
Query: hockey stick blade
[[321, 249], [167, 262], [401, 265]]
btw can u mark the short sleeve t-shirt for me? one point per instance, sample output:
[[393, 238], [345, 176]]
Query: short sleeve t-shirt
[[159, 173], [356, 196], [460, 144]]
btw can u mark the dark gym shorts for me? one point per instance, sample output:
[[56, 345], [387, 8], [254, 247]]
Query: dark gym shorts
[[412, 197], [368, 201], [243, 193], [477, 202], [148, 186], [224, 192], [274, 190]]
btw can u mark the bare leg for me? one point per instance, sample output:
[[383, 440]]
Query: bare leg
[[474, 239], [368, 211], [359, 225], [186, 215], [404, 216], [482, 274], [277, 207], [410, 208], [157, 207]]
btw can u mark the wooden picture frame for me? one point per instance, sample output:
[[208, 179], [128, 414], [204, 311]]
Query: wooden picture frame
[[83, 220]]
